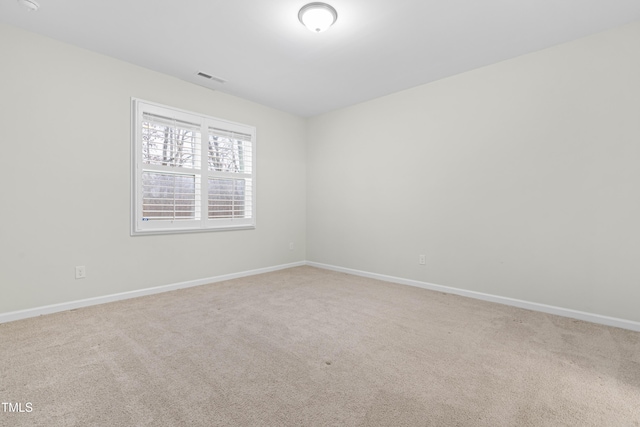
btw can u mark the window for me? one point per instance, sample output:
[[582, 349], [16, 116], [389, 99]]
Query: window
[[191, 172]]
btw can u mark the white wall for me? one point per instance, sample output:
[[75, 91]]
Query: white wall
[[65, 140], [520, 179]]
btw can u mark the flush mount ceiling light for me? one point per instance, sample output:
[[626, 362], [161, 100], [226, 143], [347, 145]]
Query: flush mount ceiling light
[[317, 17], [30, 5]]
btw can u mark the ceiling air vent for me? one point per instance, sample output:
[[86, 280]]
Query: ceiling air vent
[[210, 77]]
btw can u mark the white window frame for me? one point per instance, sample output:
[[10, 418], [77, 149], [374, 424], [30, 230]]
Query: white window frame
[[202, 174]]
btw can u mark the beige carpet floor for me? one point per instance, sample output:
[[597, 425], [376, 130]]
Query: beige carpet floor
[[309, 347]]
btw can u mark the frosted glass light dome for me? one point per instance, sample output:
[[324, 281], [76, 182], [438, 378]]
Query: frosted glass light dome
[[317, 17], [31, 5]]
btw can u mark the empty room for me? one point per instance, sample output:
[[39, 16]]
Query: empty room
[[292, 213]]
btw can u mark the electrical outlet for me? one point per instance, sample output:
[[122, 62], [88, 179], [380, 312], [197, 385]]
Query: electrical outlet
[[81, 272], [290, 246], [422, 260]]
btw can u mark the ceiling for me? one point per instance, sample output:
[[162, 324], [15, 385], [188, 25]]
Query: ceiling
[[265, 55]]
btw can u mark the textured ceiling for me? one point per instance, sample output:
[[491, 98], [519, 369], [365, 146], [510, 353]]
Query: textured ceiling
[[265, 55]]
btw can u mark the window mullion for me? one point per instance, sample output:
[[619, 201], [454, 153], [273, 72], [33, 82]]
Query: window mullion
[[204, 171]]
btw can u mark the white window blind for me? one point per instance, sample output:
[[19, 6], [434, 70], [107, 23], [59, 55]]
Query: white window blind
[[230, 161], [191, 172]]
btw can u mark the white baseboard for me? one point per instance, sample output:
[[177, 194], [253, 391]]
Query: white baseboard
[[55, 308], [549, 309], [559, 311]]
